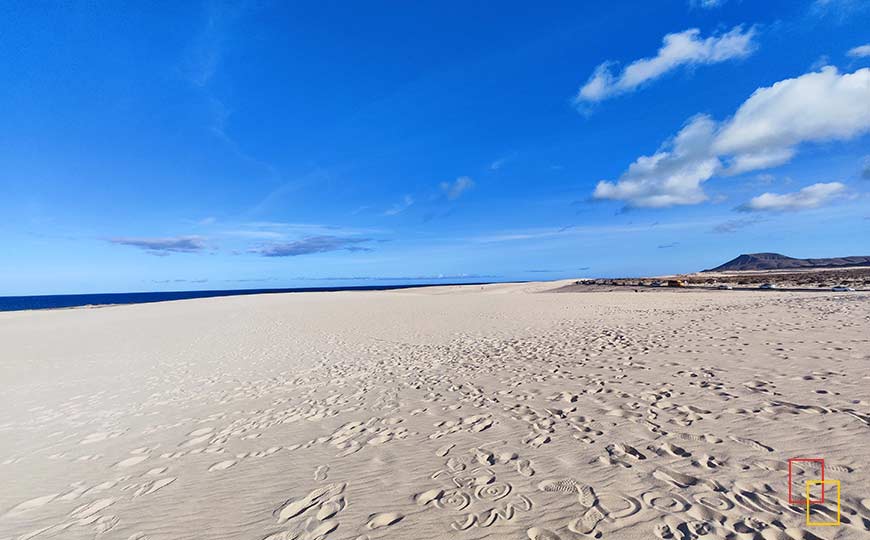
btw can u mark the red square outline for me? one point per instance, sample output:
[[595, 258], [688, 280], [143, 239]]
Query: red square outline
[[803, 502]]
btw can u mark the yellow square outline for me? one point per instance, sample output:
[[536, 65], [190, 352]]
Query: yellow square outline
[[823, 483]]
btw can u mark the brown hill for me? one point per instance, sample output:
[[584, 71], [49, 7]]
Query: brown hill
[[775, 261]]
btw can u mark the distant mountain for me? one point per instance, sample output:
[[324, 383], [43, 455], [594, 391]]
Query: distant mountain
[[775, 261]]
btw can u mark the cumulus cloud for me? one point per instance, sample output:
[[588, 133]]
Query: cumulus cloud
[[809, 197], [455, 189], [819, 106], [163, 246], [671, 176], [861, 51], [312, 244], [766, 131], [679, 49]]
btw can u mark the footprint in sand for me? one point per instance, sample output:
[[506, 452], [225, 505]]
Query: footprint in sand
[[524, 467], [672, 449], [321, 473], [624, 450], [378, 521], [444, 450], [293, 508], [331, 507], [587, 522], [428, 496], [320, 530], [222, 465], [585, 494], [675, 478], [537, 533]]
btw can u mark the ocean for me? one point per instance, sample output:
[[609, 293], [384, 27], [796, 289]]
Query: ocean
[[56, 301]]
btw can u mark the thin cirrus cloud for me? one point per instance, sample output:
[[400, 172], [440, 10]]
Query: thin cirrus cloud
[[164, 246], [765, 132], [454, 190], [809, 197], [734, 225], [706, 4], [685, 48], [862, 51], [398, 208], [311, 245]]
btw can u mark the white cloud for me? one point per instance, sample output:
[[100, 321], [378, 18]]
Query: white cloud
[[809, 197], [765, 132], [400, 207], [819, 106], [860, 51], [706, 4], [671, 176], [679, 49], [455, 189]]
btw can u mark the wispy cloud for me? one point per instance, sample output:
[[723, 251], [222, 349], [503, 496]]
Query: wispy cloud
[[313, 244], [406, 202], [706, 4], [839, 10], [279, 230], [765, 132], [734, 225], [498, 164], [809, 197], [679, 49], [454, 190], [578, 230], [163, 246], [204, 56]]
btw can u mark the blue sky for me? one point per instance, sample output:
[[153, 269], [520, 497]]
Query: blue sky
[[217, 145]]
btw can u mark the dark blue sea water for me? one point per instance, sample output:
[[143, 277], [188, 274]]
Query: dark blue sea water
[[54, 301]]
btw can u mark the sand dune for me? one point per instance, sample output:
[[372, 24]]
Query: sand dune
[[498, 411]]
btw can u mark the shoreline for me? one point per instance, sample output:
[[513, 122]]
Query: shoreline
[[7, 303]]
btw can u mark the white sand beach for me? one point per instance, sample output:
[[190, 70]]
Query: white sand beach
[[498, 411]]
